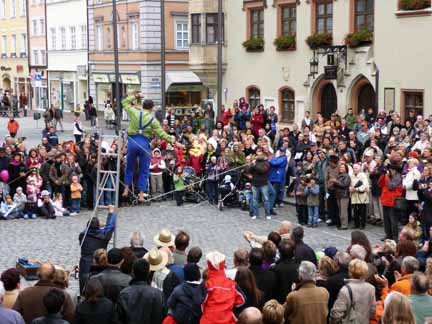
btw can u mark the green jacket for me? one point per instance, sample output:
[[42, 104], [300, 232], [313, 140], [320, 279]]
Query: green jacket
[[178, 183], [134, 124], [421, 305], [350, 121]]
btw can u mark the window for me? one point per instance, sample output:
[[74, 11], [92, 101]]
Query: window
[[135, 36], [12, 8], [287, 100], [42, 27], [13, 44], [413, 102], [324, 16], [254, 97], [35, 27], [288, 16], [63, 37], [364, 15], [123, 37], [73, 37], [181, 35], [24, 44], [257, 23], [99, 37], [53, 38], [108, 37], [196, 28], [43, 57], [212, 28], [35, 57], [83, 29], [4, 45], [23, 8], [2, 8]]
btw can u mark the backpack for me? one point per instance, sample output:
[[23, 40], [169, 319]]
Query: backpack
[[351, 317]]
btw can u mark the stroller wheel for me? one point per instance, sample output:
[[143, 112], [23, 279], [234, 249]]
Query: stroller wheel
[[135, 202]]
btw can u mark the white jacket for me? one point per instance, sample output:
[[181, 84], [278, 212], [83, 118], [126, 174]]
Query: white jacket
[[407, 182]]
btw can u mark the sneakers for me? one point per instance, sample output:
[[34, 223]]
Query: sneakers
[[34, 216], [328, 221], [253, 217], [272, 212], [26, 216], [268, 217], [73, 214]]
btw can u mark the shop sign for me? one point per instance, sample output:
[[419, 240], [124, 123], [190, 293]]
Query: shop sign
[[130, 79], [330, 72], [100, 78], [185, 87], [5, 68]]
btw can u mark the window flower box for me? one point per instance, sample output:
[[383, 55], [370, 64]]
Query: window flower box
[[317, 40], [360, 38], [255, 44], [414, 4], [285, 43]]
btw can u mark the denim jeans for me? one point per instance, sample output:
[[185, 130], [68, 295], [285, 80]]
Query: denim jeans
[[212, 192], [272, 195], [76, 205], [257, 192], [313, 215]]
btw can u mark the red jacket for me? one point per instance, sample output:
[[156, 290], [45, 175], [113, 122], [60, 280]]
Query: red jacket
[[222, 297], [226, 116], [388, 196]]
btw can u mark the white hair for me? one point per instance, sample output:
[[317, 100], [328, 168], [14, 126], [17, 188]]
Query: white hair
[[358, 252], [137, 239], [307, 271]]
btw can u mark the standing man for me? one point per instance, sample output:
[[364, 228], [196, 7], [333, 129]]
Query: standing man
[[12, 126], [141, 129], [277, 174]]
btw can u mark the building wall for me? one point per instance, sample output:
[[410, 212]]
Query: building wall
[[272, 70]]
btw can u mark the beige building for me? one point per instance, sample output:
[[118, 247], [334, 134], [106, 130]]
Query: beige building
[[385, 66]]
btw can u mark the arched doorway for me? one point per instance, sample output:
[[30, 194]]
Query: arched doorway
[[366, 98], [328, 101], [6, 83]]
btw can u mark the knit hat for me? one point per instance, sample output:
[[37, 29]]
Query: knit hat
[[191, 272]]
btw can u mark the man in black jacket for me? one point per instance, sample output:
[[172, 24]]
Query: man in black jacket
[[337, 281], [265, 280], [286, 271], [150, 301], [97, 237], [302, 251], [260, 169], [112, 279]]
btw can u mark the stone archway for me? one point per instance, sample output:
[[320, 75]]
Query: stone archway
[[324, 98], [362, 96], [6, 83]]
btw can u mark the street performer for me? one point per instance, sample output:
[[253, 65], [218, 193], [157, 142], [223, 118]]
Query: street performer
[[142, 127]]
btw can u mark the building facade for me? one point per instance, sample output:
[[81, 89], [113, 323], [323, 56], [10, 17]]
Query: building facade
[[13, 47], [38, 55], [277, 67], [139, 37], [67, 53]]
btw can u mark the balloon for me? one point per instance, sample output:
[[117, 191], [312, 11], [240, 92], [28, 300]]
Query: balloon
[[4, 175]]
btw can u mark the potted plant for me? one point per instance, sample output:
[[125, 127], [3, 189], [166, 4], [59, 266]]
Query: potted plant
[[359, 38], [254, 44], [285, 43], [319, 39], [414, 4]]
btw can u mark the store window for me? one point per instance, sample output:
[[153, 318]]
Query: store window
[[135, 35], [257, 23], [289, 20], [287, 103], [53, 38], [364, 15], [99, 37], [73, 37], [324, 16], [254, 97], [196, 28], [413, 101]]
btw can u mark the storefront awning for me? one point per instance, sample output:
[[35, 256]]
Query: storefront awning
[[181, 77]]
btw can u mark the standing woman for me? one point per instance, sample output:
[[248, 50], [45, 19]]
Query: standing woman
[[424, 193], [411, 194], [391, 184], [342, 184], [17, 173], [359, 189], [246, 281], [257, 119]]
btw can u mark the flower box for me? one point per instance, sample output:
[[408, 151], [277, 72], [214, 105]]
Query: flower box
[[285, 43], [318, 40], [360, 38], [414, 4], [255, 44]]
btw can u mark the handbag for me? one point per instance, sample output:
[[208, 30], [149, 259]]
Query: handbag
[[400, 204]]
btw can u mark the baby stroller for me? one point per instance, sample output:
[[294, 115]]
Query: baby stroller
[[192, 185], [228, 193]]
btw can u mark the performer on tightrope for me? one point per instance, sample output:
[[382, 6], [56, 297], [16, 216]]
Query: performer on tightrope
[[141, 128]]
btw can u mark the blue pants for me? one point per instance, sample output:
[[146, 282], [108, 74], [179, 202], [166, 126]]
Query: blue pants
[[313, 215], [76, 205], [265, 192], [138, 147], [212, 192]]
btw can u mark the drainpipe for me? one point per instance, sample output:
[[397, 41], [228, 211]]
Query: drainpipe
[[377, 76]]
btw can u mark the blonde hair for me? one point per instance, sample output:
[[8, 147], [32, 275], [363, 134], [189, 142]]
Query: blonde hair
[[100, 257], [397, 310], [358, 269], [61, 277], [273, 312], [414, 161], [327, 266]]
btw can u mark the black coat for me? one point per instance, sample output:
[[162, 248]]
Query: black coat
[[94, 313], [185, 303], [286, 272], [139, 252], [50, 319], [140, 304], [304, 252], [266, 282], [335, 283], [113, 282]]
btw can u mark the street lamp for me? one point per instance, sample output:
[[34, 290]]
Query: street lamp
[[314, 66]]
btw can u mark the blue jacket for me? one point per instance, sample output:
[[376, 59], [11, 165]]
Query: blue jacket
[[278, 170]]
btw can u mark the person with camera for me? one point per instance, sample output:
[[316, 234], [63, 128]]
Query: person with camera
[[359, 190], [342, 184]]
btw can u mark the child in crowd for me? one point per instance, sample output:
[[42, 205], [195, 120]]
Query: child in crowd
[[179, 186], [157, 166], [45, 205], [312, 193], [301, 199], [59, 210], [245, 198], [212, 180], [8, 209], [76, 190], [20, 200]]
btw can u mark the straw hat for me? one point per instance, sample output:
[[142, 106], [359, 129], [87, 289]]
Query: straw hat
[[157, 259], [164, 238]]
